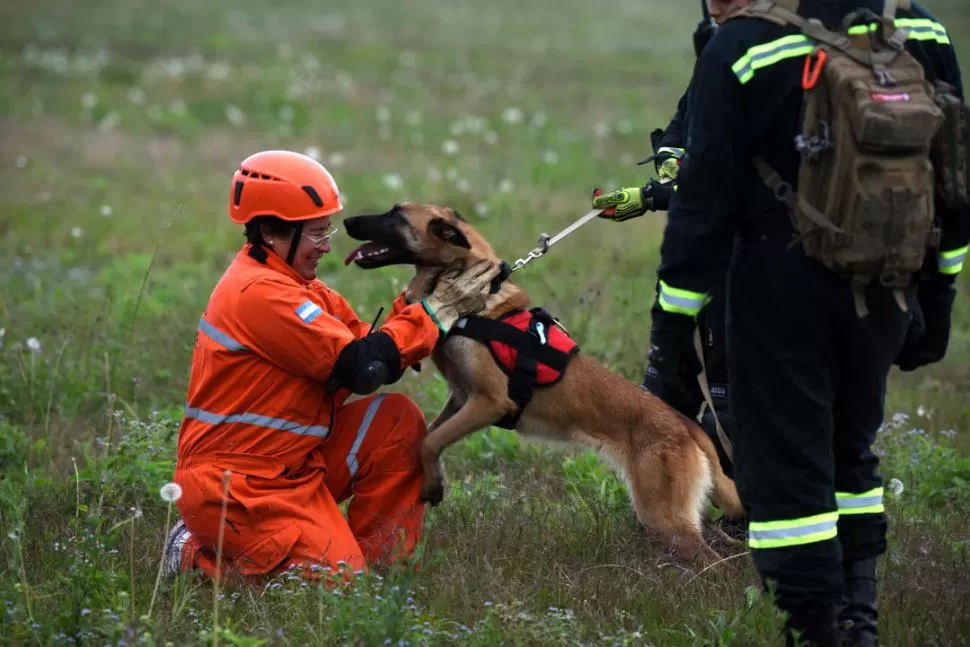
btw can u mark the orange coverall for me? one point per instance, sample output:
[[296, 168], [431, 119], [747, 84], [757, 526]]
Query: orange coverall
[[257, 407]]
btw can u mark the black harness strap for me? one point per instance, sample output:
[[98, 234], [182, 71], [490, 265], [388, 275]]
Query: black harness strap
[[531, 352]]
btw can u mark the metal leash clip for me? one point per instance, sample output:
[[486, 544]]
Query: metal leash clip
[[545, 241]]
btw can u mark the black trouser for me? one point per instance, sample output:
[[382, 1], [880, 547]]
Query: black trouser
[[808, 384], [713, 337]]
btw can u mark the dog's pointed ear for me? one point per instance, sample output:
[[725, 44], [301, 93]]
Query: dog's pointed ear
[[443, 230]]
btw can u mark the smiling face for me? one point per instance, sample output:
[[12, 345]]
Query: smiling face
[[312, 244]]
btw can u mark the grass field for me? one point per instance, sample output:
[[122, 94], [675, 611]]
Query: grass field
[[122, 123]]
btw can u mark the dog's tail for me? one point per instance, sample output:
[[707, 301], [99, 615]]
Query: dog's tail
[[725, 491]]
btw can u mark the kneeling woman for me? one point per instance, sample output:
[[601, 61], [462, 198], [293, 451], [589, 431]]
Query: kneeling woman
[[277, 355]]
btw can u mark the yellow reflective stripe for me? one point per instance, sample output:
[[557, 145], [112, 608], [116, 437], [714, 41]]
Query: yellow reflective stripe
[[761, 56], [860, 503], [793, 532], [951, 262], [918, 28], [680, 301]]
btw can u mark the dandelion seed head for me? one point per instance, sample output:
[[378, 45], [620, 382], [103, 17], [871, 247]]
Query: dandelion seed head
[[33, 344], [171, 492], [896, 486]]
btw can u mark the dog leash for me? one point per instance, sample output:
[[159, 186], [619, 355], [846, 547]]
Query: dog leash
[[545, 242], [709, 401]]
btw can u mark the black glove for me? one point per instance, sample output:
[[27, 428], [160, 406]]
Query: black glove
[[929, 331], [673, 365]]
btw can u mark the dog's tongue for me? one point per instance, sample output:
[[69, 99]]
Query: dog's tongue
[[355, 254]]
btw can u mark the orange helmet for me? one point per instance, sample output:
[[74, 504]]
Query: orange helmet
[[288, 185]]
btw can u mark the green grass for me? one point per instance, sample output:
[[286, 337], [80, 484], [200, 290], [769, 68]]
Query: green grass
[[122, 123]]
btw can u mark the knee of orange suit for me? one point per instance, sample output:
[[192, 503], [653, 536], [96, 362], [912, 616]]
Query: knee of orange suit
[[407, 416]]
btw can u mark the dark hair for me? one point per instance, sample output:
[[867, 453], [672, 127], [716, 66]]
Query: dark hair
[[254, 233]]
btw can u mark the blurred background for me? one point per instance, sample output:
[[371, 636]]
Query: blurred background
[[122, 123]]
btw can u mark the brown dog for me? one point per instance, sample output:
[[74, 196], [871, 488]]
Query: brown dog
[[667, 461]]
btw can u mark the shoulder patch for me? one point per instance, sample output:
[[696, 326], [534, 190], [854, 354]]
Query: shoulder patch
[[308, 311]]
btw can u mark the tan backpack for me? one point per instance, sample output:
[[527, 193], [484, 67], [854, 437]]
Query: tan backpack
[[865, 201]]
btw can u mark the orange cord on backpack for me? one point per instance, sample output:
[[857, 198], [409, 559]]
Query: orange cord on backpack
[[809, 75]]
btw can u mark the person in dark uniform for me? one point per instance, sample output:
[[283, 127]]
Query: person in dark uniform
[[807, 373]]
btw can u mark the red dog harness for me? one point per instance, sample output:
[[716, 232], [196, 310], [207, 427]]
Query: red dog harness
[[529, 346]]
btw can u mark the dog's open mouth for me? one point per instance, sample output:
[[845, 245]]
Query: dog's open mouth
[[371, 255]]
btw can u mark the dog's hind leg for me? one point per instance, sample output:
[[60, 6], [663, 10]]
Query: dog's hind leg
[[669, 500], [477, 412]]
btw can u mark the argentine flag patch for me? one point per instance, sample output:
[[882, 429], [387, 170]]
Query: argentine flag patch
[[308, 311]]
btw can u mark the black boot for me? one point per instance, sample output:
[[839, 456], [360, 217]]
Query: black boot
[[859, 614], [816, 625]]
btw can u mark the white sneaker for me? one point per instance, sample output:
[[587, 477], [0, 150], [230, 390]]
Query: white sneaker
[[177, 537]]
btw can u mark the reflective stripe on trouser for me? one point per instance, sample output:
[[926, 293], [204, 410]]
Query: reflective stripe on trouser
[[951, 262], [793, 532], [681, 301], [352, 463], [860, 503]]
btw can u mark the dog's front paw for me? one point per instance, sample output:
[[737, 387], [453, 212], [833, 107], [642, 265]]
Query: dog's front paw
[[433, 492]]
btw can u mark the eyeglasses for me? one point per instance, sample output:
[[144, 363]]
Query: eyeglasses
[[319, 240]]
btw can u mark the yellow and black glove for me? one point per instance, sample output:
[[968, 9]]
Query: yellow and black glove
[[625, 204]]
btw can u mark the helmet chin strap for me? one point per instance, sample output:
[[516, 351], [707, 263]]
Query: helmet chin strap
[[294, 242]]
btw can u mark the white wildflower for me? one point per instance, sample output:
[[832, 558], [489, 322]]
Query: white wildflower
[[76, 232], [109, 122], [506, 186], [136, 96], [393, 181], [601, 129], [312, 151], [481, 209], [89, 100], [896, 486], [171, 492], [21, 161], [512, 115], [923, 412], [235, 115], [463, 185], [218, 71], [33, 344], [106, 210], [336, 160], [550, 157], [450, 147]]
